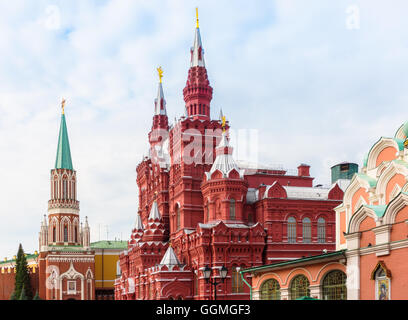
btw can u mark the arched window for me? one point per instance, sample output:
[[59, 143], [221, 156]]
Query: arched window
[[270, 290], [321, 230], [54, 234], [65, 233], [178, 218], [232, 209], [334, 286], [237, 283], [292, 230], [299, 287], [307, 230]]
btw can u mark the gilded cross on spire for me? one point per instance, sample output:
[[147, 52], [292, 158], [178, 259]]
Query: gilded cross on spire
[[198, 24], [160, 72], [63, 105]]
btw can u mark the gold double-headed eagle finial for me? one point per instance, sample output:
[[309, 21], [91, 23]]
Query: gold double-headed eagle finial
[[63, 105], [160, 72], [224, 121], [198, 24]]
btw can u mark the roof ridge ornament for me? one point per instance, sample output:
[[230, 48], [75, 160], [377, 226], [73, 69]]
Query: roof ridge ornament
[[63, 105], [160, 72], [223, 124]]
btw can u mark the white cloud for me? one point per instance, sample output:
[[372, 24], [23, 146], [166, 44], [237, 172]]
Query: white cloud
[[318, 92]]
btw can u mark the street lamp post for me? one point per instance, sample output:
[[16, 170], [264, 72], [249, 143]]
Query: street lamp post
[[207, 275]]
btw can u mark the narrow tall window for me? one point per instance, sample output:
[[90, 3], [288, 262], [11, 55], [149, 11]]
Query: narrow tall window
[[64, 189], [232, 209], [65, 233], [196, 284], [307, 230], [321, 230], [292, 230], [55, 189], [208, 212], [76, 234], [237, 284], [178, 218], [54, 234]]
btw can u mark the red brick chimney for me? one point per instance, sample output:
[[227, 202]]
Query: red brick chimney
[[304, 170]]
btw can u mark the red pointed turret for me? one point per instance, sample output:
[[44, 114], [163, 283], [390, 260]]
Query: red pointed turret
[[198, 92]]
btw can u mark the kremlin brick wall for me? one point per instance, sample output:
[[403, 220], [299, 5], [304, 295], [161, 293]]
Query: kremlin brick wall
[[7, 281]]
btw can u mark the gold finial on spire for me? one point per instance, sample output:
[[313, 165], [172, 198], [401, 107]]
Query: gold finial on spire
[[160, 71], [224, 120], [63, 105], [170, 244], [198, 24]]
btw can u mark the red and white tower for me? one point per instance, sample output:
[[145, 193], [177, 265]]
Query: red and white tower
[[66, 262]]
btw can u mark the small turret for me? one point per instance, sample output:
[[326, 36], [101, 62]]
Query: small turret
[[86, 235]]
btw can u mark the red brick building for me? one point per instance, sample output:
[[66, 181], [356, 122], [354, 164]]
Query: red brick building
[[216, 212]]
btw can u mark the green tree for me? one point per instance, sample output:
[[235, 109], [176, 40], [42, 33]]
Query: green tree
[[13, 296], [23, 295], [22, 276], [37, 296]]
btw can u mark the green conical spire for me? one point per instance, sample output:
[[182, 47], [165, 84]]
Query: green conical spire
[[64, 160]]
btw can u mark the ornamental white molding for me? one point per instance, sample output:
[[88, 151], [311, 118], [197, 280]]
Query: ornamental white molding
[[394, 192], [81, 260], [355, 184], [359, 216], [89, 274], [294, 270], [72, 273], [359, 203], [377, 148], [388, 173], [267, 276], [394, 207]]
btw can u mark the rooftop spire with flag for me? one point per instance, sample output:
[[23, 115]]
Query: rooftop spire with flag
[[63, 160]]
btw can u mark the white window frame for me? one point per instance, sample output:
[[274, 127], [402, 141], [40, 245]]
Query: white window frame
[[74, 291]]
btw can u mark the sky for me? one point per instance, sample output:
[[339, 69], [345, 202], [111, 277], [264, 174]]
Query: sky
[[321, 81]]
